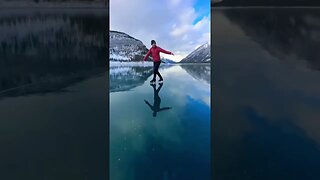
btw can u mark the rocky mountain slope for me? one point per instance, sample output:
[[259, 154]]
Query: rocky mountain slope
[[125, 48], [201, 55]]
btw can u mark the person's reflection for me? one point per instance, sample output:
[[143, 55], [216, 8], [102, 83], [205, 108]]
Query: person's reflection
[[156, 101]]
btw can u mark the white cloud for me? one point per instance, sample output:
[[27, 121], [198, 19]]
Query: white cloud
[[175, 2], [185, 37], [169, 22], [188, 15], [180, 31], [203, 23]]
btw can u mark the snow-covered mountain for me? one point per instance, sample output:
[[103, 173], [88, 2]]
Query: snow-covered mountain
[[125, 48], [201, 55]]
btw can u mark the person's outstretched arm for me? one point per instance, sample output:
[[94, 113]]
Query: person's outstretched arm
[[151, 107], [147, 55], [165, 108], [165, 51]]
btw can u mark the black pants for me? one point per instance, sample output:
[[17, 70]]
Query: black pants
[[156, 66]]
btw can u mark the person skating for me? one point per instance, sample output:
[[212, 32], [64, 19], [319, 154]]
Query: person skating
[[155, 52]]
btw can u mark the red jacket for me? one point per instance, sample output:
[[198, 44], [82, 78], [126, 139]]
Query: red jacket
[[155, 51]]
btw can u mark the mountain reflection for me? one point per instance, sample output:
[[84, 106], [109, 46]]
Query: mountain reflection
[[125, 78], [199, 72], [292, 35], [55, 49]]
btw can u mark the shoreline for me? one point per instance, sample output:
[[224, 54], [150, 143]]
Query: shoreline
[[117, 63]]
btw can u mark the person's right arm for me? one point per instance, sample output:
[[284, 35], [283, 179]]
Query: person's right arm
[[147, 55]]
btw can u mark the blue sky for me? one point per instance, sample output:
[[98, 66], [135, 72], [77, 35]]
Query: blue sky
[[203, 8], [179, 26]]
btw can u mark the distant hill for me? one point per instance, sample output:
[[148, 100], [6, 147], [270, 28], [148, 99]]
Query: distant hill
[[167, 61], [200, 55], [231, 3]]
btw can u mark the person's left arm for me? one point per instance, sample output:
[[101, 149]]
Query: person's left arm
[[165, 51], [165, 108]]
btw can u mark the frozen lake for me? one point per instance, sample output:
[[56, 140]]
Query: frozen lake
[[160, 131]]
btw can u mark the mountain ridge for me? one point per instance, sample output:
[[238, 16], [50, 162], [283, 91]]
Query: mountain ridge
[[200, 55]]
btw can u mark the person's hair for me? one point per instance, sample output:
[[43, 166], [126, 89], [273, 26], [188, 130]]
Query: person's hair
[[153, 42]]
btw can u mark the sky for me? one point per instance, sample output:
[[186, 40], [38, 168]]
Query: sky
[[179, 26]]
